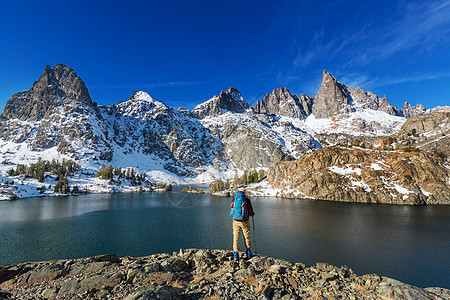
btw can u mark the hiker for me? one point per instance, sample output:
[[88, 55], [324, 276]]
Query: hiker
[[241, 210]]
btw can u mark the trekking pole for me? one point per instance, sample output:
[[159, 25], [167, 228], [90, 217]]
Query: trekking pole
[[254, 234]]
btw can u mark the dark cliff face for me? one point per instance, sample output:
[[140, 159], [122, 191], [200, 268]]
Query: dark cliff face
[[56, 87], [282, 103], [230, 100], [332, 98]]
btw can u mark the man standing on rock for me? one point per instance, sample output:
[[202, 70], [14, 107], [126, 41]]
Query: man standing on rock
[[241, 210]]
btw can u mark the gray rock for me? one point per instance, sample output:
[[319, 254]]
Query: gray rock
[[408, 110], [230, 100], [398, 290], [107, 257], [50, 293], [162, 292], [332, 98], [282, 103], [154, 267], [48, 272], [174, 265], [69, 287], [371, 101], [98, 282]]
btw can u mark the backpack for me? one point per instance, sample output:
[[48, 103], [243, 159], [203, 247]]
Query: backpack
[[239, 210]]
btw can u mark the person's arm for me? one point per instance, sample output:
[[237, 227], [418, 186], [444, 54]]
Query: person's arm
[[251, 213], [231, 209]]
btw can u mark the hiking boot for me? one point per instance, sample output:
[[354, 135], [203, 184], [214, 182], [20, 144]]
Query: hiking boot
[[248, 253], [236, 255]]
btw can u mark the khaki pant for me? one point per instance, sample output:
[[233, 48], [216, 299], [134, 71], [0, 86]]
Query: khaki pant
[[237, 227]]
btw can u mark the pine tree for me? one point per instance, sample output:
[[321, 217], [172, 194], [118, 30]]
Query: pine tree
[[236, 179], [118, 171], [228, 183], [255, 177], [75, 189]]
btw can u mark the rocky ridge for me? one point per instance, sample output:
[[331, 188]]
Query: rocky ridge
[[145, 126], [197, 274], [408, 110], [334, 98], [228, 101], [428, 131], [282, 103], [364, 175], [222, 134]]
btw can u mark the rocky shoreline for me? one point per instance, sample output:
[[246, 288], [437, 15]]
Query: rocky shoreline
[[197, 274]]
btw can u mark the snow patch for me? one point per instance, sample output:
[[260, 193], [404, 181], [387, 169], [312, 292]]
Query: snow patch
[[401, 189], [376, 167], [362, 184], [345, 171]]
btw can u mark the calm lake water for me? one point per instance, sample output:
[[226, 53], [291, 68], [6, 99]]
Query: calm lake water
[[411, 244]]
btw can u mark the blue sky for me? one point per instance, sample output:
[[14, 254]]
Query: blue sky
[[184, 52]]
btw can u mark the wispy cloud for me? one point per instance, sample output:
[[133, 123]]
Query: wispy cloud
[[306, 55], [421, 25], [354, 80]]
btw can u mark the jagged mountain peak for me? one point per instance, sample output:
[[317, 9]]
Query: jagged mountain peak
[[326, 76], [142, 106], [141, 96], [331, 99], [56, 87], [335, 98], [232, 100], [282, 103], [57, 111], [408, 110], [229, 100], [282, 91], [329, 80], [233, 92], [46, 77]]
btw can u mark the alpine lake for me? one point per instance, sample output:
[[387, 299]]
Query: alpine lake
[[408, 243]]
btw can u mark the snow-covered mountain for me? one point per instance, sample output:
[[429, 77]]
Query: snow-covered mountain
[[228, 101], [57, 118], [57, 112]]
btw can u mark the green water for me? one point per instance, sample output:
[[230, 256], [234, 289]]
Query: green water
[[411, 244]]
